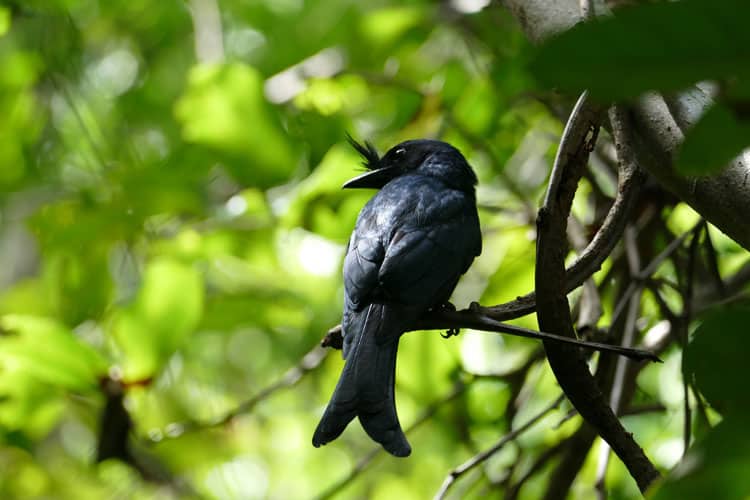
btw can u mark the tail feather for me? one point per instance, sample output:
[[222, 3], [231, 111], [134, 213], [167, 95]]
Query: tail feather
[[366, 386]]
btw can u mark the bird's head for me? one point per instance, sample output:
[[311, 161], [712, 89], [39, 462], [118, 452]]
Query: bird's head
[[422, 156]]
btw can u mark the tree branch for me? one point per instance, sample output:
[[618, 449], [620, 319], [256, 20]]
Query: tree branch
[[723, 198], [455, 320], [553, 312], [575, 451], [629, 183]]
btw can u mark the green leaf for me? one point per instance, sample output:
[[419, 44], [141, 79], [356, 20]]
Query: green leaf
[[717, 357], [28, 402], [224, 108], [168, 308], [476, 109], [4, 20], [318, 202], [656, 46], [722, 458], [49, 352], [713, 142], [78, 283], [385, 26], [487, 399]]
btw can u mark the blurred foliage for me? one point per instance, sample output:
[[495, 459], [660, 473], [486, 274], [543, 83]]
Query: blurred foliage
[[664, 46], [722, 455], [716, 139], [172, 228]]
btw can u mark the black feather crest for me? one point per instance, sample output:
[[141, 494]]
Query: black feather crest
[[367, 151]]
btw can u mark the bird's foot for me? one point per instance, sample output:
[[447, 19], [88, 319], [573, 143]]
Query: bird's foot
[[451, 332]]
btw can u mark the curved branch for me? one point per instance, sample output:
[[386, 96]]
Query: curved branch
[[629, 182], [553, 312]]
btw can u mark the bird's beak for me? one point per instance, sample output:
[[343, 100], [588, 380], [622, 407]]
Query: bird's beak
[[374, 179]]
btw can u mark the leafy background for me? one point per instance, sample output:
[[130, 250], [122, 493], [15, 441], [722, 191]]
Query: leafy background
[[172, 228]]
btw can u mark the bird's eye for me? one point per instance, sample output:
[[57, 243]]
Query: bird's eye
[[400, 152]]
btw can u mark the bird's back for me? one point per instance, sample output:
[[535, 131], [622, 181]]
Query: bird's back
[[412, 242]]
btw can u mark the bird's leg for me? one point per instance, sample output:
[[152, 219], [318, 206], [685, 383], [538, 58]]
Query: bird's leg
[[451, 332]]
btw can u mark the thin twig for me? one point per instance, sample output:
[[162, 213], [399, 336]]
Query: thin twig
[[687, 314], [308, 363], [480, 458], [478, 322], [666, 311], [650, 269], [640, 410], [512, 491], [62, 88], [618, 384]]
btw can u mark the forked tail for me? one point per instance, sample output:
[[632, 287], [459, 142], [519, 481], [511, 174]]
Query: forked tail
[[366, 386]]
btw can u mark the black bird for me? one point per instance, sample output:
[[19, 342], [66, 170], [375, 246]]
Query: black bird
[[412, 242]]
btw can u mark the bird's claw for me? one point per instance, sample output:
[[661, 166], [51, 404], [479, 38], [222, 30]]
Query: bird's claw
[[452, 332]]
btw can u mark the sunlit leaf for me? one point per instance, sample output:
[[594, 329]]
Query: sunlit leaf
[[320, 204], [50, 352], [167, 309], [476, 108], [4, 20], [486, 400], [224, 107], [78, 284], [28, 402], [384, 26]]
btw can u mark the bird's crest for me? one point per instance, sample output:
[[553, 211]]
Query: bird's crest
[[367, 151]]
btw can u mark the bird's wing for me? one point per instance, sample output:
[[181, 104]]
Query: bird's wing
[[425, 256], [362, 263]]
